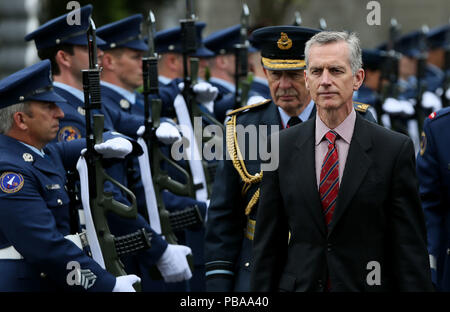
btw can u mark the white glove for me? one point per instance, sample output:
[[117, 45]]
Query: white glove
[[168, 133], [205, 92], [173, 264], [140, 131], [392, 106], [431, 100], [114, 148], [447, 93], [125, 283]]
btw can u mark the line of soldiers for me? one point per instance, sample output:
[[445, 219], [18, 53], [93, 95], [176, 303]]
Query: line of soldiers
[[41, 218]]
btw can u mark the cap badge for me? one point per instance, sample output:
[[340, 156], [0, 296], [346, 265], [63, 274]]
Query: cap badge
[[284, 43]]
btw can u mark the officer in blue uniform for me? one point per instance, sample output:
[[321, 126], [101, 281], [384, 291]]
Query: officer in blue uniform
[[433, 171], [223, 68], [368, 93], [35, 242], [122, 74], [70, 56], [232, 212], [438, 43]]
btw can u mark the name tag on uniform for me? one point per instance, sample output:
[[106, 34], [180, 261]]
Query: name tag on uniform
[[53, 187]]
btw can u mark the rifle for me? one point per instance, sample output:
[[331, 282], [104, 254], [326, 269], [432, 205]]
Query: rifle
[[103, 202], [389, 72], [297, 19], [161, 180], [189, 46], [420, 113], [242, 87], [446, 82]]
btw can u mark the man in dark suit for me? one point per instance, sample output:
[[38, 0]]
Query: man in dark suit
[[342, 210], [232, 212]]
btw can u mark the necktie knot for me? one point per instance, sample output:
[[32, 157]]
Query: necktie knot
[[293, 121], [331, 136]]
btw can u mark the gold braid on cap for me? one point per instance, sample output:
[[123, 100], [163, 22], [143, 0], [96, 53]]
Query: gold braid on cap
[[239, 165]]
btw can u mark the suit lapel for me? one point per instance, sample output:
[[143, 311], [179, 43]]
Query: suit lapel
[[357, 164], [305, 145]]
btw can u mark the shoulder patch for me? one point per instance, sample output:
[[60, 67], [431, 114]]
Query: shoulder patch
[[68, 133], [423, 143], [248, 107], [11, 182], [432, 115], [361, 107]]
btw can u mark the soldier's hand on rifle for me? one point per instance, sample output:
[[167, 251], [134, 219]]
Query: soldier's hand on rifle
[[393, 106], [114, 148], [167, 133], [431, 101], [205, 92], [125, 283], [173, 264]]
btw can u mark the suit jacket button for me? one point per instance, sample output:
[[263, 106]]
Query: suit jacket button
[[329, 247], [43, 275], [247, 264], [59, 201]]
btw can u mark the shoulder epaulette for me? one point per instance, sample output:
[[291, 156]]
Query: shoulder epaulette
[[439, 113], [361, 107], [247, 107]]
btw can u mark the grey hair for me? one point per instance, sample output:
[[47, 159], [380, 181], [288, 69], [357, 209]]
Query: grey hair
[[6, 115], [325, 37]]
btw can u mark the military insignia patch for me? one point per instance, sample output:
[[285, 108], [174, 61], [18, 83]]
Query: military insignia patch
[[68, 133], [81, 111], [423, 143], [124, 104], [284, 43], [432, 115], [11, 182], [27, 157]]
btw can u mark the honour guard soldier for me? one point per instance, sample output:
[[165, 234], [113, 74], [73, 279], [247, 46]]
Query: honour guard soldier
[[232, 212], [433, 171], [70, 56], [223, 67], [121, 76], [36, 245], [368, 92]]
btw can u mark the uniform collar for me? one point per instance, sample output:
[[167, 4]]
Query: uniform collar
[[164, 80], [129, 96], [34, 149], [227, 85], [74, 91], [304, 116]]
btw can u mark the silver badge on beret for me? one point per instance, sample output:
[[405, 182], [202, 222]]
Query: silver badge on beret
[[27, 157], [81, 111], [124, 104]]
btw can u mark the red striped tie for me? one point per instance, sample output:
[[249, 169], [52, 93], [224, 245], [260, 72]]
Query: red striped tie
[[329, 178]]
